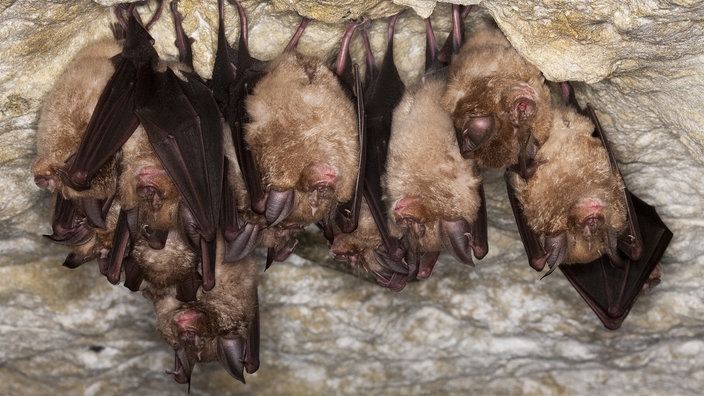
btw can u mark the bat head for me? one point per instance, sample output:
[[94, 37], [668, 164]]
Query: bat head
[[495, 117], [591, 230]]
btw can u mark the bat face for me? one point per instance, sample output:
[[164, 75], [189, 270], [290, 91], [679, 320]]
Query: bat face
[[574, 192], [65, 115], [303, 135], [428, 183], [145, 185], [497, 100]]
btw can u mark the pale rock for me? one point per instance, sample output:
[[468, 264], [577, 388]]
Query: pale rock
[[492, 329]]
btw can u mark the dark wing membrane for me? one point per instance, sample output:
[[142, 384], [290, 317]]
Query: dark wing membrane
[[184, 128], [610, 291]]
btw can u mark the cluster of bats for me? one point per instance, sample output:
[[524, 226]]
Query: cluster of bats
[[170, 181]]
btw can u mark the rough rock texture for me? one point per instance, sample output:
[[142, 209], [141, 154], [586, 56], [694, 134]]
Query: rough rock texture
[[493, 329]]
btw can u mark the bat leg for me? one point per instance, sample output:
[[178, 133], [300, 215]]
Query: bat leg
[[297, 35], [183, 42]]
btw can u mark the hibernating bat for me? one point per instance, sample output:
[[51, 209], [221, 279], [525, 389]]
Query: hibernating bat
[[219, 325], [498, 101], [358, 233], [302, 130], [574, 200], [434, 194], [575, 212], [184, 129]]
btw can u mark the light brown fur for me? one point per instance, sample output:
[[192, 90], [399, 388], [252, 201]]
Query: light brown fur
[[485, 78], [65, 115], [424, 164], [574, 169], [228, 310], [300, 118]]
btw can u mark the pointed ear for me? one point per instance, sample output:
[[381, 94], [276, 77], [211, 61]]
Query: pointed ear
[[230, 353]]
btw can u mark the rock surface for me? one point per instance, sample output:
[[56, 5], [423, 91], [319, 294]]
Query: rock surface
[[492, 329]]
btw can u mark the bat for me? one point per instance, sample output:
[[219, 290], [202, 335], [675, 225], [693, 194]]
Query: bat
[[498, 101], [183, 126], [359, 233], [219, 325], [438, 206], [574, 200], [65, 115], [302, 132], [606, 241]]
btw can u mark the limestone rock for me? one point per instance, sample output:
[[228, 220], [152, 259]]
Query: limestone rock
[[492, 329]]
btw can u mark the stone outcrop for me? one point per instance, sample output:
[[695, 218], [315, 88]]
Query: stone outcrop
[[490, 329]]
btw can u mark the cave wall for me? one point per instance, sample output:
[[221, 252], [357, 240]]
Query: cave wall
[[490, 329]]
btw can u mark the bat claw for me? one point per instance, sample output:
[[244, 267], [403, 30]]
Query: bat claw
[[279, 205]]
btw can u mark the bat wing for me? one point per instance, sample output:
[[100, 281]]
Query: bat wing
[[235, 73], [184, 128], [535, 250], [609, 288], [113, 119], [611, 291], [381, 98]]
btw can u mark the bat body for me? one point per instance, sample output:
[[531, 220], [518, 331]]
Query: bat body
[[498, 101], [432, 191], [303, 134], [65, 115], [614, 240], [575, 199], [220, 325]]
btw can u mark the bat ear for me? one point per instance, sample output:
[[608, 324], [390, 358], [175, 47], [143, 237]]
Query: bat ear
[[474, 133], [522, 109]]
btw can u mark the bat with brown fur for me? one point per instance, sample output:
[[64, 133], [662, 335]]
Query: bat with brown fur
[[575, 212]]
